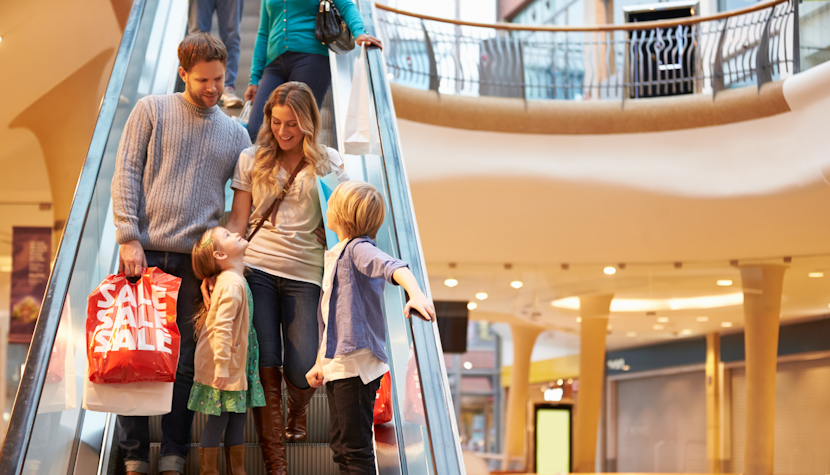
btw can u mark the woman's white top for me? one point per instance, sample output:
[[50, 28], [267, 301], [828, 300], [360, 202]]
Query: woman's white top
[[288, 249], [362, 362]]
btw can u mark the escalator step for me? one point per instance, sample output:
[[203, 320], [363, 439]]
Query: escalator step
[[303, 459]]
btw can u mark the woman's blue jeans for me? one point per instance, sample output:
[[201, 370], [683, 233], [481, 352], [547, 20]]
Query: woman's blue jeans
[[285, 318], [312, 69]]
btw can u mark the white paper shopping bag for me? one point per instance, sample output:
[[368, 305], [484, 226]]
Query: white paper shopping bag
[[129, 399], [360, 131]]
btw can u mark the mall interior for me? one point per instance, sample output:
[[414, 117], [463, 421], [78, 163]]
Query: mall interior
[[619, 223]]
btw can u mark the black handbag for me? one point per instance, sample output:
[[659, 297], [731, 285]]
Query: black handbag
[[331, 30]]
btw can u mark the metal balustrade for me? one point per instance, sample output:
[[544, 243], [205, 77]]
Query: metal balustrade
[[692, 55]]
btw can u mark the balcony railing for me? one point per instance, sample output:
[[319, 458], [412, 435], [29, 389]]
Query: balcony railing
[[692, 55]]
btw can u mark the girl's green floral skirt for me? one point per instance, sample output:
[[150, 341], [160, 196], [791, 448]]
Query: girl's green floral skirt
[[211, 401]]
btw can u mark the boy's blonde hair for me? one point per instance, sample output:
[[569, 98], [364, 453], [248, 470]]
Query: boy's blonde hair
[[358, 208], [204, 266]]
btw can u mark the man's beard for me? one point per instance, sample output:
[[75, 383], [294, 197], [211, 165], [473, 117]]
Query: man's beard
[[201, 103]]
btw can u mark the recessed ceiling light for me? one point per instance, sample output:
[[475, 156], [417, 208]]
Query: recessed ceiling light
[[472, 305], [482, 295], [632, 334], [815, 275], [725, 282], [702, 319], [610, 270], [390, 76], [450, 282], [560, 382], [517, 284], [578, 319], [468, 365], [685, 331], [663, 319], [726, 324], [658, 327]]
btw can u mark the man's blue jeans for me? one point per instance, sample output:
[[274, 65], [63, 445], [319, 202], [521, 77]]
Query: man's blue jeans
[[175, 427], [285, 318], [228, 15]]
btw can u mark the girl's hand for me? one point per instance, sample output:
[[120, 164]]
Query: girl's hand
[[219, 383], [250, 93], [207, 289], [321, 235], [365, 39], [315, 376], [423, 305]]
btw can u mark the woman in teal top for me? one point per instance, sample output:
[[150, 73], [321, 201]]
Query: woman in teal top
[[286, 50]]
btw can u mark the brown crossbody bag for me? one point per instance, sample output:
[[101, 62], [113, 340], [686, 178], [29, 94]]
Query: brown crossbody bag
[[275, 206]]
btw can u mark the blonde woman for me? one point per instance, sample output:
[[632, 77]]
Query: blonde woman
[[284, 258]]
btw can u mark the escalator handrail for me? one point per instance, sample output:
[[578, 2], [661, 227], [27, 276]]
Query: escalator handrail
[[27, 400], [438, 407]]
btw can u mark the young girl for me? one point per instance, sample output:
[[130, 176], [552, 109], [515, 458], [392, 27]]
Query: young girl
[[352, 355], [226, 381]]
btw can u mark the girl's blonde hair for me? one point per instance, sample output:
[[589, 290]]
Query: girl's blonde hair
[[358, 208], [300, 99], [204, 266]]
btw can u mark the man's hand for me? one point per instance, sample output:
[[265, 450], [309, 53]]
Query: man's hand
[[315, 376], [207, 289], [131, 259], [420, 303], [220, 383]]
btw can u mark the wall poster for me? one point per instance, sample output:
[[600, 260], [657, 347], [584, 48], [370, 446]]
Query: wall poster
[[31, 255]]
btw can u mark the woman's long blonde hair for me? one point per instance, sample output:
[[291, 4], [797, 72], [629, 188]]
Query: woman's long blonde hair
[[204, 266], [300, 99]]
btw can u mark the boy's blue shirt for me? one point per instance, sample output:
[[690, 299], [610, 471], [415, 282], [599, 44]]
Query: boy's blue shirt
[[355, 318]]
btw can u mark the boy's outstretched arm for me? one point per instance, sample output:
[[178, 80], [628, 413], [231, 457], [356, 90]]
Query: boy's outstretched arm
[[417, 300]]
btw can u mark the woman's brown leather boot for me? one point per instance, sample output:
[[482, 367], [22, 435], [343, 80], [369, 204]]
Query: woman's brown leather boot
[[269, 422], [296, 412]]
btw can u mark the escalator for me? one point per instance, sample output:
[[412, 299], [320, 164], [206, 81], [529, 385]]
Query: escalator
[[49, 432]]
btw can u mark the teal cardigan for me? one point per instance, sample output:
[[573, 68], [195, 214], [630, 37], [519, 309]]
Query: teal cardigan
[[288, 25]]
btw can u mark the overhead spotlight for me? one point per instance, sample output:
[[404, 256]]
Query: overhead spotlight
[[482, 295], [631, 334], [815, 275], [702, 319], [726, 324], [390, 76], [578, 319], [517, 284], [450, 282], [725, 282], [658, 327], [570, 381], [559, 382], [685, 331], [663, 319], [472, 306], [468, 365], [610, 270]]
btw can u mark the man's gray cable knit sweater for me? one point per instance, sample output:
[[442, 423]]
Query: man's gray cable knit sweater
[[173, 161]]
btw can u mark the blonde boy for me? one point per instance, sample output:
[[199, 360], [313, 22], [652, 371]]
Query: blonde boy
[[352, 356]]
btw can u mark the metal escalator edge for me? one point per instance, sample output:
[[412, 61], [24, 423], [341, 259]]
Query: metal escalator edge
[[438, 406], [26, 402]]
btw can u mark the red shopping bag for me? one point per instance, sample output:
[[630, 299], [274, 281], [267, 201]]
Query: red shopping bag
[[383, 400], [413, 410], [131, 332]]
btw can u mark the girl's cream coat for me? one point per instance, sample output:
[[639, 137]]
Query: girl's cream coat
[[222, 347]]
